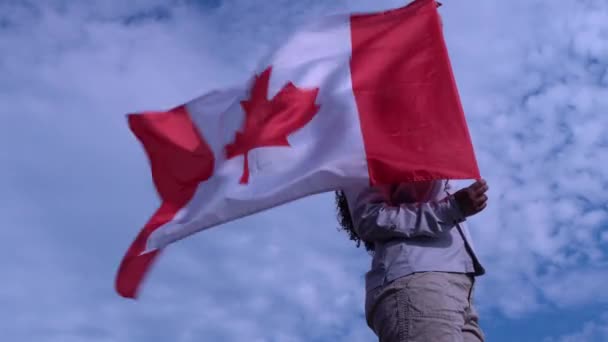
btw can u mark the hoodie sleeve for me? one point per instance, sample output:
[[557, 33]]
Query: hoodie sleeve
[[375, 219]]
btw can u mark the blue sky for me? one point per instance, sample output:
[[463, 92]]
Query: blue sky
[[76, 188]]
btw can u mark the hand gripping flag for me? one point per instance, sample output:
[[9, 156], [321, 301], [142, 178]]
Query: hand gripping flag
[[346, 100]]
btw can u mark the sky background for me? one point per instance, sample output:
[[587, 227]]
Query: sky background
[[75, 185]]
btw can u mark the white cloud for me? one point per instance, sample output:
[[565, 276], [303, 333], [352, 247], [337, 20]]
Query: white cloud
[[530, 84], [76, 186], [592, 331]]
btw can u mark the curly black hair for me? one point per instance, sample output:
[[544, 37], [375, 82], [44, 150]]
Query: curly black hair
[[346, 221]]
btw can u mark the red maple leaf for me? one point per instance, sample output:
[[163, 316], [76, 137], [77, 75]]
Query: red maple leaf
[[269, 122]]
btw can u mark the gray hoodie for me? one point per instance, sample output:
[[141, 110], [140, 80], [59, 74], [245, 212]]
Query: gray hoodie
[[414, 227]]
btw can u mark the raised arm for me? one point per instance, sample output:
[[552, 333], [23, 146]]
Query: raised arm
[[376, 219]]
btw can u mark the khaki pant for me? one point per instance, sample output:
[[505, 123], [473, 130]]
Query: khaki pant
[[421, 307]]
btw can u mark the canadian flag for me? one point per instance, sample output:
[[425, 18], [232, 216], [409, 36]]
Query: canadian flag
[[347, 100]]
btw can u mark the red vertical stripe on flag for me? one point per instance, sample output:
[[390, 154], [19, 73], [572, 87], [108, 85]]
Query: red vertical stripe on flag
[[180, 159], [412, 120]]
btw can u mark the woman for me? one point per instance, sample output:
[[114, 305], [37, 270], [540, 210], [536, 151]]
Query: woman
[[421, 280]]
